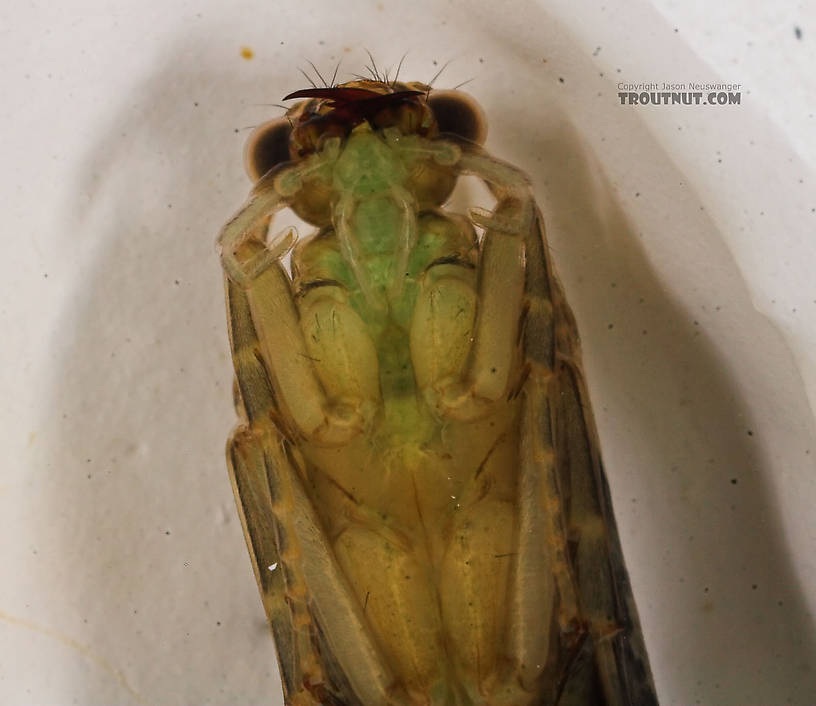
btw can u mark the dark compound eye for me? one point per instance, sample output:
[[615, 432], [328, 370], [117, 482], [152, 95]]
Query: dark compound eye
[[267, 147], [458, 113]]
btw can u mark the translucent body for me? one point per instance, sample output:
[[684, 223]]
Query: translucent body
[[417, 453]]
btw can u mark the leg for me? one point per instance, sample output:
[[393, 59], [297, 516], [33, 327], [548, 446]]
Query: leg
[[545, 592], [442, 326], [266, 515], [395, 587], [338, 343], [474, 590], [276, 320], [306, 594], [485, 378], [282, 590]]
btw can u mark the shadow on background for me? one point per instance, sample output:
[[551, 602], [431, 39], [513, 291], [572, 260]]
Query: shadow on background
[[153, 559]]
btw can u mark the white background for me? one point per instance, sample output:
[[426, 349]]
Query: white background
[[684, 235]]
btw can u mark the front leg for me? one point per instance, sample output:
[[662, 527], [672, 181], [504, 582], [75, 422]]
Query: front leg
[[257, 269], [467, 391]]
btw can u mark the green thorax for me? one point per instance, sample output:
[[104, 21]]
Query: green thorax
[[375, 221], [374, 215]]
